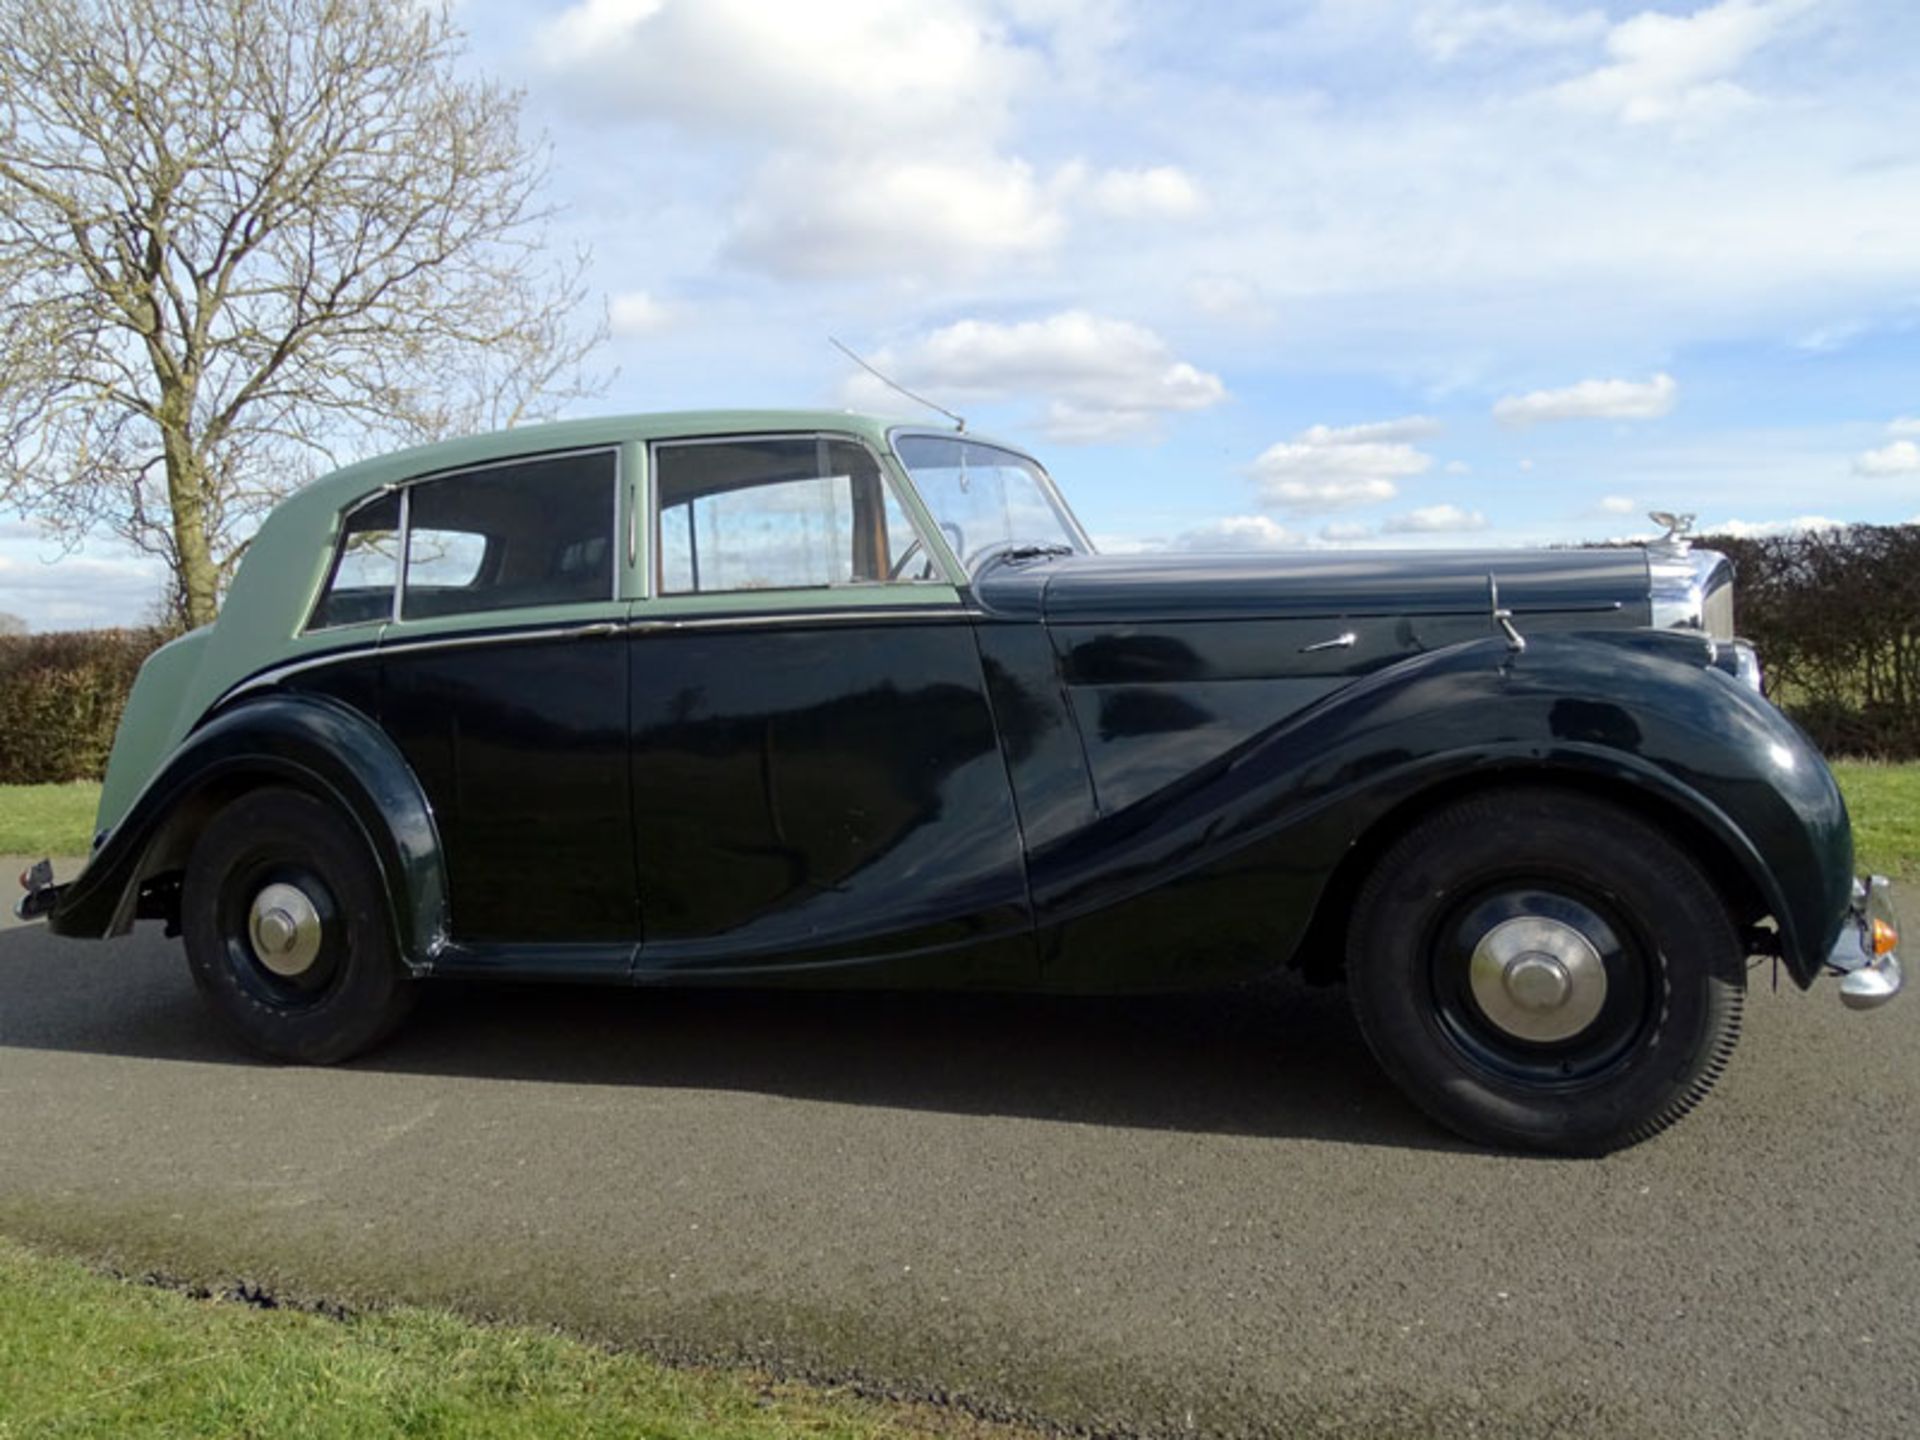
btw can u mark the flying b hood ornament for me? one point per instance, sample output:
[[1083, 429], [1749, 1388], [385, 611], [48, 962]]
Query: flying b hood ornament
[[1678, 527]]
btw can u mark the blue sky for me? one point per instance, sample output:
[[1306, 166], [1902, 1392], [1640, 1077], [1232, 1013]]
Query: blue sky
[[1435, 272]]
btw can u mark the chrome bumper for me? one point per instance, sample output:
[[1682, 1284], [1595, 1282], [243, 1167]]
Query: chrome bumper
[[1866, 954]]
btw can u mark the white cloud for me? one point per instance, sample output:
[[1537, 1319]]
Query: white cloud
[[1240, 532], [636, 312], [810, 219], [1758, 529], [1616, 505], [1591, 400], [1232, 298], [1827, 339], [80, 591], [1904, 426], [1434, 520], [1446, 31], [1458, 467], [1160, 192], [1337, 467], [876, 127], [1100, 378], [1902, 457], [1342, 532], [839, 74], [1407, 427], [1666, 67]]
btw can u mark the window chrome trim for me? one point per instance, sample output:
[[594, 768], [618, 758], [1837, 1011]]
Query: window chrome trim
[[656, 584], [460, 473], [404, 488], [406, 553], [344, 518]]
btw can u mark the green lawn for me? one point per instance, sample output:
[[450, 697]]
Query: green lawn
[[1884, 801], [47, 819], [82, 1354]]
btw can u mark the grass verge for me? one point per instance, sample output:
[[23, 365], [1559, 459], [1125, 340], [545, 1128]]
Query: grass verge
[[1884, 801], [47, 819], [84, 1354]]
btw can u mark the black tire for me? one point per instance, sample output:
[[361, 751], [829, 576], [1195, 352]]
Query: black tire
[[352, 990], [1668, 1005]]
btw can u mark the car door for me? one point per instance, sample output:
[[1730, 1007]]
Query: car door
[[817, 781], [504, 683]]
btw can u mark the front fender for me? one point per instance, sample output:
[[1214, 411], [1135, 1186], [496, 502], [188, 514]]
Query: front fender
[[1263, 829], [307, 741]]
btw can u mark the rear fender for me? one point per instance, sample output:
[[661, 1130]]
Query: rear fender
[[308, 742]]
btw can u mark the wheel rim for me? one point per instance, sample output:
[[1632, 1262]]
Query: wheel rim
[[281, 931], [285, 929], [1542, 985]]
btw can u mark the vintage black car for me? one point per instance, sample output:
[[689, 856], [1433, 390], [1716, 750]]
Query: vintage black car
[[810, 699]]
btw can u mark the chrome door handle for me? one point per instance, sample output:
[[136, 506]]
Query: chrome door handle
[[1339, 642]]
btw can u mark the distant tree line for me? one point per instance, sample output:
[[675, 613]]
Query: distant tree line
[[1836, 616]]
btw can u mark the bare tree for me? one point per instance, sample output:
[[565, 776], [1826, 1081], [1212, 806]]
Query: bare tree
[[242, 238]]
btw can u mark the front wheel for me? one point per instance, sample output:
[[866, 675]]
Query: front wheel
[[1543, 970], [287, 930]]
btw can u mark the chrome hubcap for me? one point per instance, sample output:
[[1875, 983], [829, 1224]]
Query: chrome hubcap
[[285, 930], [1538, 979]]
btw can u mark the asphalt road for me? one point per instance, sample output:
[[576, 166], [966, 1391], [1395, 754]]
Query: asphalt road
[[1203, 1214]]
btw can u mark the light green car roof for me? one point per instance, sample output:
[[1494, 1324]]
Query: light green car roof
[[343, 485]]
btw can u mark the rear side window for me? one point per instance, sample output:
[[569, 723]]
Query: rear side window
[[365, 568], [784, 513], [536, 532]]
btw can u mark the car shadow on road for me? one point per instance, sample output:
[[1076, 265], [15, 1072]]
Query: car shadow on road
[[1276, 1059]]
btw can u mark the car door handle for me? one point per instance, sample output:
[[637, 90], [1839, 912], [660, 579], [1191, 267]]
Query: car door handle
[[1339, 642]]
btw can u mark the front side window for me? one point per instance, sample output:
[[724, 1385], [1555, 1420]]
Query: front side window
[[535, 532], [985, 499], [779, 514]]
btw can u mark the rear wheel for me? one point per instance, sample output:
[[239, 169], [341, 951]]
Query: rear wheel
[[287, 930], [1539, 969]]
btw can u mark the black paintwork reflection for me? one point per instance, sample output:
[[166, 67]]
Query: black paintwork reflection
[[813, 796], [522, 748], [1249, 843], [1140, 739], [1136, 712], [1594, 723], [1045, 758]]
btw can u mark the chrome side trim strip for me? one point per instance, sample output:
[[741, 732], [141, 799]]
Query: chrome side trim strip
[[266, 678], [601, 629], [928, 614]]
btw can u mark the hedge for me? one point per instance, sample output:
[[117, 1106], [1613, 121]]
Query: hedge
[[1836, 617], [60, 698]]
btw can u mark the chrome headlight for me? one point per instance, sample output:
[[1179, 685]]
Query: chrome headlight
[[1740, 660]]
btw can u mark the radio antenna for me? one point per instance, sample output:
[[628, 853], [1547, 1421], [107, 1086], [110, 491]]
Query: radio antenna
[[959, 421]]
